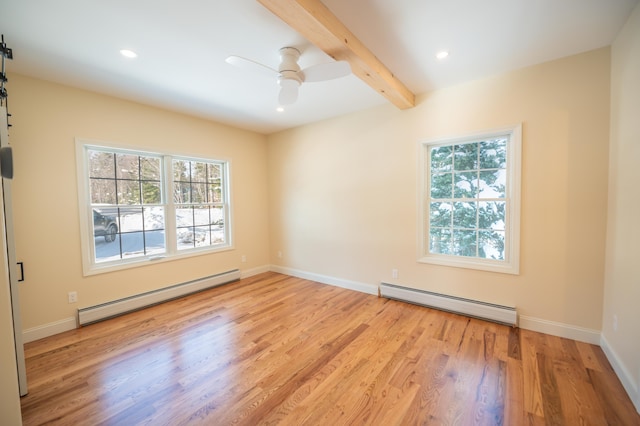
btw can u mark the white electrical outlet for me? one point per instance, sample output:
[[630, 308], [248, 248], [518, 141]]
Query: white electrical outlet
[[279, 254], [394, 273], [244, 258], [73, 297], [615, 322]]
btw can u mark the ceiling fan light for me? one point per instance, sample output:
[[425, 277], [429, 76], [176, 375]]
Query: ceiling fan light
[[289, 78], [286, 83], [128, 53], [288, 92]]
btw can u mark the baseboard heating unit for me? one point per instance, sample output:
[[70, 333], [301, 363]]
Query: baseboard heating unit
[[473, 308], [103, 311]]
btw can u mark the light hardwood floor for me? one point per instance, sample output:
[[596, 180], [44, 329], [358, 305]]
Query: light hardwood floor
[[276, 349]]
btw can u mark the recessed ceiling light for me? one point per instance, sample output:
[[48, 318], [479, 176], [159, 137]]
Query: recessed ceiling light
[[280, 109], [128, 53], [441, 55]]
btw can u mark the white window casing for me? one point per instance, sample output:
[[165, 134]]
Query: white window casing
[[163, 206], [433, 229]]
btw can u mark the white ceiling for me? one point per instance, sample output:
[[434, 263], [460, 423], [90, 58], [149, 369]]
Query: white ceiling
[[182, 46]]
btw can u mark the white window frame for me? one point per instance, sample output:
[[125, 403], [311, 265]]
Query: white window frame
[[511, 262], [90, 266]]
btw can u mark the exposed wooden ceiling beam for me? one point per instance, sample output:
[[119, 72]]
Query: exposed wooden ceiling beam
[[316, 23]]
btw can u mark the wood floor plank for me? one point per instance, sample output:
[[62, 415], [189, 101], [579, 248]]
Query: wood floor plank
[[275, 349], [613, 400], [579, 400], [513, 350], [551, 401], [589, 359], [514, 412], [532, 393]]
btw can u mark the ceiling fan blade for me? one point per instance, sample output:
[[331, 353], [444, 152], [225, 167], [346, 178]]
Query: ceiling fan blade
[[328, 71], [250, 65], [288, 92]]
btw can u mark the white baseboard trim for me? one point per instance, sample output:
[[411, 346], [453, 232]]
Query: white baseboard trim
[[626, 378], [324, 279], [246, 273], [559, 329], [46, 330]]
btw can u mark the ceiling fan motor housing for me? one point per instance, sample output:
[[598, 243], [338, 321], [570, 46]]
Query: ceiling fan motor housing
[[289, 68]]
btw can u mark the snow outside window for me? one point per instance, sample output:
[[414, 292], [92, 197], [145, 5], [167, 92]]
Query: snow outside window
[[470, 201], [141, 206]]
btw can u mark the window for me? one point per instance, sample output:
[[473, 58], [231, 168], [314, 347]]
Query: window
[[471, 201], [127, 217], [198, 196]]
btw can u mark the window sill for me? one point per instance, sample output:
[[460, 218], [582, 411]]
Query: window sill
[[137, 262], [472, 263]]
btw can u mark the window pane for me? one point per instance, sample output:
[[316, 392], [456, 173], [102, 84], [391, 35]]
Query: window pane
[[154, 218], [441, 158], [440, 241], [101, 164], [186, 239], [181, 193], [184, 216], [200, 226], [106, 251], [441, 186], [105, 235], [465, 185], [464, 215], [127, 166], [466, 156], [492, 245], [154, 242], [218, 236], [132, 244], [493, 154], [217, 216], [103, 191], [150, 168], [131, 219], [493, 184], [151, 193], [199, 193], [118, 233], [201, 215], [198, 171], [215, 193], [129, 192], [491, 215], [181, 171], [464, 243], [440, 214], [202, 236], [215, 172]]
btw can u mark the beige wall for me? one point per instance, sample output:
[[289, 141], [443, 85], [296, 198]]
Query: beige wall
[[46, 119], [622, 280], [344, 191]]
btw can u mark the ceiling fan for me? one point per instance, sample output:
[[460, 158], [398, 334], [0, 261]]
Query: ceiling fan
[[289, 75]]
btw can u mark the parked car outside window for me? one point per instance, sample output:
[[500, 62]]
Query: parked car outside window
[[104, 226]]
